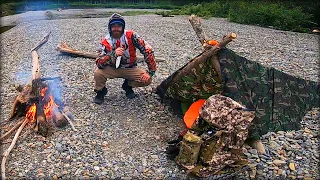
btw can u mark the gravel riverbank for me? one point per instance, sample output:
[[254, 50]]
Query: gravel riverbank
[[125, 138]]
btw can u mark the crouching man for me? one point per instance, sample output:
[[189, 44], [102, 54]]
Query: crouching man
[[118, 60]]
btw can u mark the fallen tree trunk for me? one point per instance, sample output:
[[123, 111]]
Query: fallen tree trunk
[[64, 48]]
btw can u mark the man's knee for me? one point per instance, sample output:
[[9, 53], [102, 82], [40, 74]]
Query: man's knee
[[148, 82], [98, 75], [140, 84]]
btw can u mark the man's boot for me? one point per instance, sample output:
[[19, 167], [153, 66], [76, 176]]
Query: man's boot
[[128, 89], [100, 95]]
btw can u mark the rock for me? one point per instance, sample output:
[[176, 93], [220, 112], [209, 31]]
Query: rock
[[54, 177], [299, 157], [292, 166], [279, 162], [253, 151], [253, 173], [274, 145], [154, 156], [280, 172]]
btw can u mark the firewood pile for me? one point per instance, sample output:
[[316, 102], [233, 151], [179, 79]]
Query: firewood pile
[[36, 104]]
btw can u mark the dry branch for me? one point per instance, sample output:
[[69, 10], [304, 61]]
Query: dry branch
[[44, 40], [36, 74], [207, 53], [10, 131], [196, 24], [69, 120], [64, 48], [6, 153]]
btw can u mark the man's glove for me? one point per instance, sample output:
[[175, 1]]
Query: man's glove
[[173, 148], [102, 62]]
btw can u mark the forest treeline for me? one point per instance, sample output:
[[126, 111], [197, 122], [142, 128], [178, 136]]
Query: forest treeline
[[292, 15]]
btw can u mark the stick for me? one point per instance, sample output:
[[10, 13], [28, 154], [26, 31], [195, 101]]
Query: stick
[[6, 153], [51, 78], [196, 24], [64, 48], [44, 40], [208, 52], [12, 129], [14, 107], [69, 120]]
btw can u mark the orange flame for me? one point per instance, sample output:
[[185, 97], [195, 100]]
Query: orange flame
[[47, 108]]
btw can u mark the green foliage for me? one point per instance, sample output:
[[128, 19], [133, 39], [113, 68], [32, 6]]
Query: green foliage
[[134, 13], [9, 8], [19, 7], [273, 15], [247, 12]]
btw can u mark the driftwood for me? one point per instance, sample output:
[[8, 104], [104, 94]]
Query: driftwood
[[64, 48], [41, 124], [17, 125], [6, 153], [44, 40]]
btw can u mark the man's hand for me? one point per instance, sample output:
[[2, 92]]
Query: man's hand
[[119, 51], [144, 77]]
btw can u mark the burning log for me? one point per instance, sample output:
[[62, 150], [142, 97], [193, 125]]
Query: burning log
[[65, 49], [58, 119]]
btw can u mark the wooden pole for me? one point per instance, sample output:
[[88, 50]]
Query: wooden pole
[[196, 24]]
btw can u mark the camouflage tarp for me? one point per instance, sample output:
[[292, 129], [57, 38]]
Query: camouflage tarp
[[223, 128], [280, 100]]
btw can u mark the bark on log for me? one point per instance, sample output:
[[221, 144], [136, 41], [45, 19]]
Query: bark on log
[[208, 52], [59, 120], [36, 74], [64, 48], [196, 24], [41, 125]]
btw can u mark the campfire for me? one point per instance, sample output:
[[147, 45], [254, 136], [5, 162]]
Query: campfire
[[39, 104], [42, 110]]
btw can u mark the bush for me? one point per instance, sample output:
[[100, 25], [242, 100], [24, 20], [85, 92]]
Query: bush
[[258, 13], [274, 15]]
